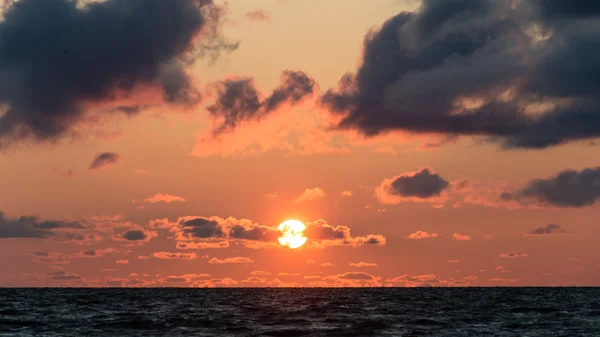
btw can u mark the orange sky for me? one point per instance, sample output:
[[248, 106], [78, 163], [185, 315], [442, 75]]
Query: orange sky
[[167, 169]]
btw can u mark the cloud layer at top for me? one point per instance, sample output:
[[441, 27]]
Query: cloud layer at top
[[58, 59], [517, 71]]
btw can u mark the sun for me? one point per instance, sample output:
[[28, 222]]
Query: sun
[[292, 234]]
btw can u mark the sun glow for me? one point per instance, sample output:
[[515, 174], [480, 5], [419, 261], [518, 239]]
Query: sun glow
[[292, 234]]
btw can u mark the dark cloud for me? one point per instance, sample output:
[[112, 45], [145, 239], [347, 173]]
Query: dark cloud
[[239, 101], [560, 9], [32, 227], [104, 159], [255, 233], [135, 235], [423, 184], [64, 276], [479, 67], [551, 229], [320, 230], [202, 228], [58, 58], [569, 188], [90, 252], [321, 234]]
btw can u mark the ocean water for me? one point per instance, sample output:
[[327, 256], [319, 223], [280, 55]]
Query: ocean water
[[301, 312]]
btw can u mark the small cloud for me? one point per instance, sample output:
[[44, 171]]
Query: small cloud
[[326, 264], [167, 198], [260, 273], [453, 261], [311, 194], [421, 186], [175, 256], [273, 195], [381, 210], [460, 237], [103, 160], [284, 274], [123, 261], [503, 280], [63, 173], [259, 15], [368, 206], [420, 235], [254, 280], [512, 255], [230, 260], [139, 172], [143, 257], [547, 230], [346, 193], [363, 264], [310, 261]]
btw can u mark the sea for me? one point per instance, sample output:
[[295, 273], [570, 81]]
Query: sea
[[301, 312]]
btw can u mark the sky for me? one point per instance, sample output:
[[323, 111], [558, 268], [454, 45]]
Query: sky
[[421, 143]]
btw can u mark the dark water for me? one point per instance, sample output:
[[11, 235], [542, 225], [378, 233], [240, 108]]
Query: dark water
[[301, 312]]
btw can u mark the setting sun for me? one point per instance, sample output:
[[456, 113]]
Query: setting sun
[[292, 234]]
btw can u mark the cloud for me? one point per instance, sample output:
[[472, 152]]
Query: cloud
[[424, 185], [512, 255], [348, 279], [184, 278], [107, 53], [285, 274], [122, 261], [420, 235], [194, 232], [321, 234], [231, 260], [174, 256], [239, 101], [522, 80], [311, 194], [363, 264], [310, 262], [135, 235], [167, 198], [426, 280], [54, 258], [139, 172], [453, 261], [273, 195], [254, 280], [31, 227], [346, 194], [461, 237], [356, 276], [259, 15], [260, 273], [551, 229], [214, 232], [504, 280], [326, 264], [63, 276], [569, 188], [103, 160]]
